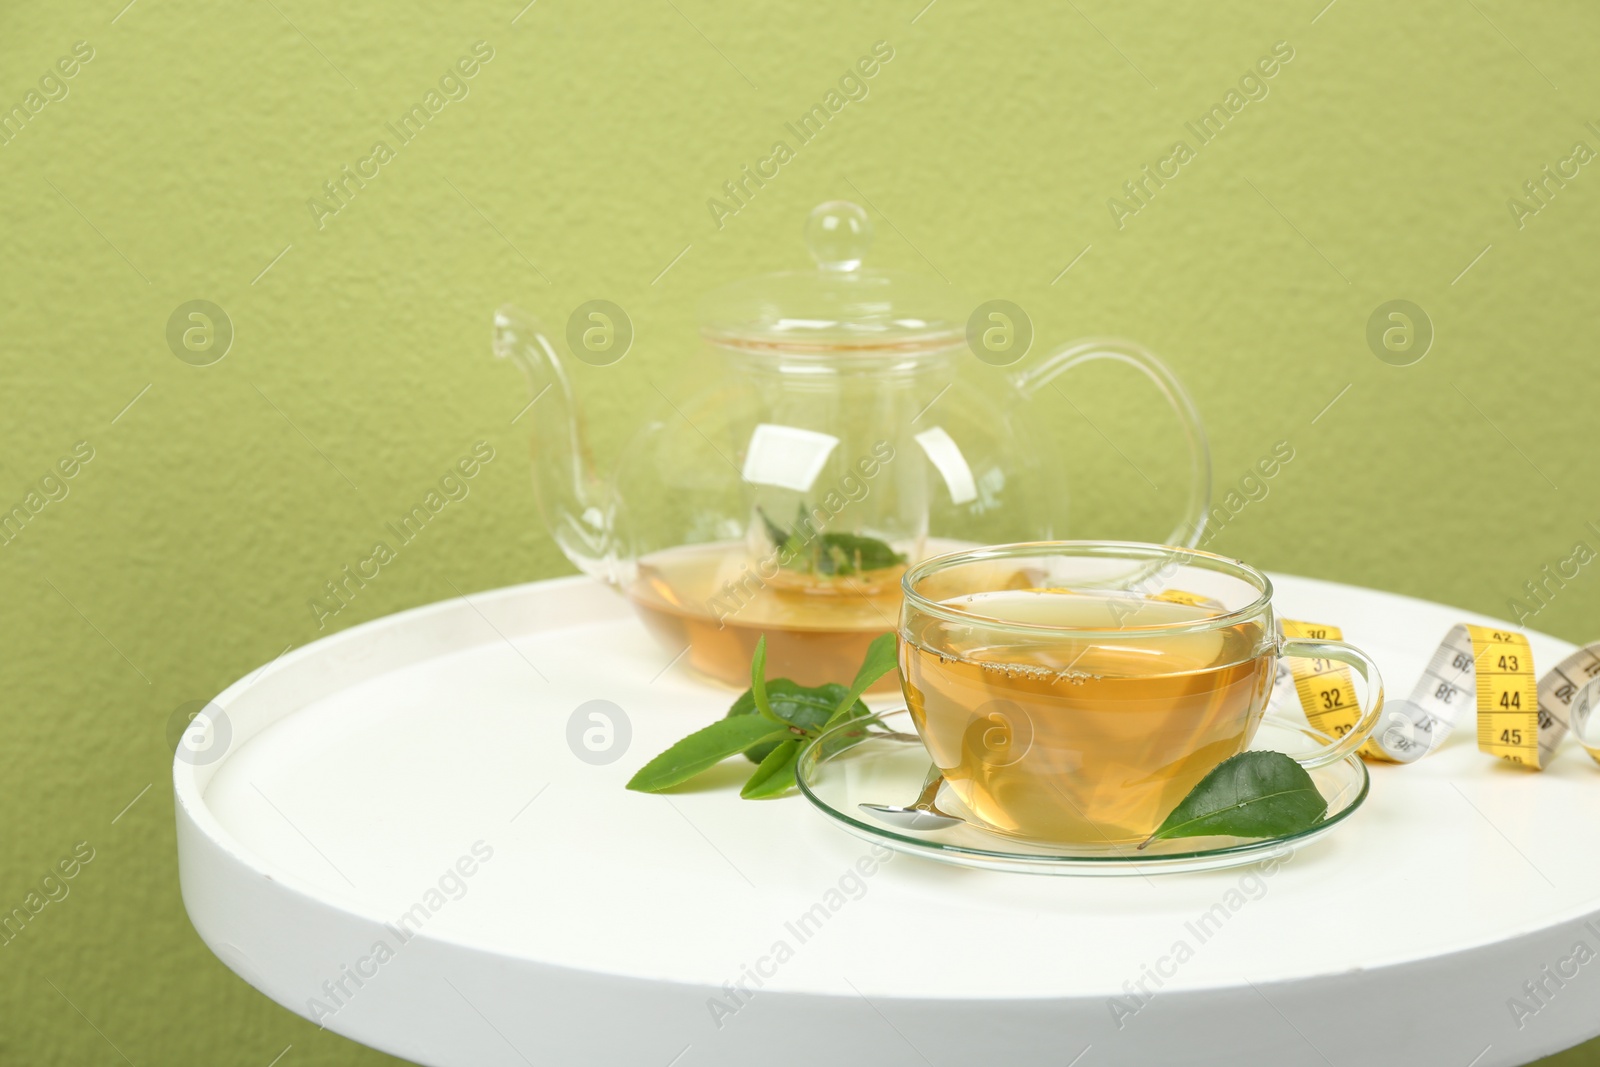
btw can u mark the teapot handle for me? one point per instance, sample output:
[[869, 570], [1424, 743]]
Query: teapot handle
[[1192, 524]]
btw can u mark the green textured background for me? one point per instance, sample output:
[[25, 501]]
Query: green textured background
[[180, 164]]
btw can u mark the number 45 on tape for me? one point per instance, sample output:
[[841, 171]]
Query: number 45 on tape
[[1520, 720]]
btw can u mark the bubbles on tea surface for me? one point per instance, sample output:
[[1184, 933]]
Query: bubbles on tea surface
[[1023, 670], [1033, 672]]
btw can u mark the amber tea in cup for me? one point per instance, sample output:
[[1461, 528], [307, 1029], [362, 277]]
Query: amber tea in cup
[[1077, 691]]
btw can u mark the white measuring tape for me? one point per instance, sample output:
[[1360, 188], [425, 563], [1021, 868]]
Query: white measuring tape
[[1519, 720]]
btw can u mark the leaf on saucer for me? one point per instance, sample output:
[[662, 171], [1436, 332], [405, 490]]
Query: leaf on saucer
[[703, 749], [775, 775], [1253, 794]]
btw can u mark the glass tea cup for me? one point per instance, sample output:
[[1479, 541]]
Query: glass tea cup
[[1076, 691]]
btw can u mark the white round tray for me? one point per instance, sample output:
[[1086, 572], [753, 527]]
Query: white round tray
[[419, 766]]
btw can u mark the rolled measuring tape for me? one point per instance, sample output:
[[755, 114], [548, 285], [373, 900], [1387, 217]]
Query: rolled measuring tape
[[1519, 719]]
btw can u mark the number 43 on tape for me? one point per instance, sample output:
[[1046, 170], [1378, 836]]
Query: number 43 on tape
[[1520, 719]]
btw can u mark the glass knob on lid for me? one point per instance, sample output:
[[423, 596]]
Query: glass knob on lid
[[838, 234], [840, 305]]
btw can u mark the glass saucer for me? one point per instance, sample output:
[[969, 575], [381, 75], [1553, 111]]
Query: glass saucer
[[890, 765]]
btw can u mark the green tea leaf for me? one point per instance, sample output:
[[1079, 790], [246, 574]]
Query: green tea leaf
[[846, 553], [758, 681], [1253, 794], [831, 554], [775, 775], [775, 533], [703, 749], [783, 540], [882, 657], [771, 723], [808, 707]]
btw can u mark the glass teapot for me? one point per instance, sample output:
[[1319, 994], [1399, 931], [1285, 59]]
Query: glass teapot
[[842, 444]]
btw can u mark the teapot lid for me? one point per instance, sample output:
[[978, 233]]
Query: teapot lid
[[840, 306]]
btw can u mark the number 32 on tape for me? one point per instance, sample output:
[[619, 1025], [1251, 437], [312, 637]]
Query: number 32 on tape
[[1520, 719]]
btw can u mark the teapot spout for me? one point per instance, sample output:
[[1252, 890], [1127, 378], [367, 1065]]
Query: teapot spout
[[576, 504]]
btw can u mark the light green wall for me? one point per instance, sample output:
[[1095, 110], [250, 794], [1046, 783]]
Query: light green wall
[[181, 162]]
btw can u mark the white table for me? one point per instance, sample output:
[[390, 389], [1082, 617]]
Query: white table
[[601, 927]]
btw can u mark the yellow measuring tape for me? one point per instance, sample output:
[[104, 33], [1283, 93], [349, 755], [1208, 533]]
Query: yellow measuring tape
[[1520, 719]]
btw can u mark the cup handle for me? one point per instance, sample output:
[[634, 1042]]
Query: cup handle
[[1187, 532], [1356, 736]]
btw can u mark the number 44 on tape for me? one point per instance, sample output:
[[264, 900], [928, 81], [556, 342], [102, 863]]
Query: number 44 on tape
[[1520, 719]]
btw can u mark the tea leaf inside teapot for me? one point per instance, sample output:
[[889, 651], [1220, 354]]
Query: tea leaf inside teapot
[[834, 555], [776, 533]]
